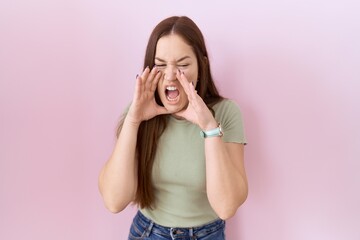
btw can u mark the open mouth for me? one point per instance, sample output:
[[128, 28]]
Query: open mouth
[[172, 93]]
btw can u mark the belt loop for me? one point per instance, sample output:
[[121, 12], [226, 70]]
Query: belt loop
[[191, 233], [172, 232], [148, 230]]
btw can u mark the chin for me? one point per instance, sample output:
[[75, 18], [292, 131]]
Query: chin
[[173, 108]]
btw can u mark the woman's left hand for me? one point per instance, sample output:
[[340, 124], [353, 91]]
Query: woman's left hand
[[196, 112]]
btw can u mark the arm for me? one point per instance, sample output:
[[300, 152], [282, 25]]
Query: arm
[[226, 181], [118, 178]]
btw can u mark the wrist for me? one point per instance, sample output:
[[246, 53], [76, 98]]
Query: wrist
[[132, 122], [211, 125], [215, 132]]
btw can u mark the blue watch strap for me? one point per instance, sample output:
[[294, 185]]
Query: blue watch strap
[[216, 132]]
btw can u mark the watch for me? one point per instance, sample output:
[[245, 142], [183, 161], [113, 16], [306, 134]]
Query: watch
[[216, 132]]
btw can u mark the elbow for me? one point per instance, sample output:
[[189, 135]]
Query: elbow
[[228, 210], [115, 207], [226, 214], [115, 204]]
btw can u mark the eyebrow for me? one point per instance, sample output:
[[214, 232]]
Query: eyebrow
[[179, 60]]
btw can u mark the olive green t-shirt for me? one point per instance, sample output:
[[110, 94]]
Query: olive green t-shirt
[[179, 169]]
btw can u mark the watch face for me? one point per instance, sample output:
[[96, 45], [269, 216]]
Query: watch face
[[220, 130]]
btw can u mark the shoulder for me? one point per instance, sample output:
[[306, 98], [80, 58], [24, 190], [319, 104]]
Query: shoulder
[[226, 106], [228, 114]]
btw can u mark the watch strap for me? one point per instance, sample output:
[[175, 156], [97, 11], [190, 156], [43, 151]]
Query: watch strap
[[216, 132]]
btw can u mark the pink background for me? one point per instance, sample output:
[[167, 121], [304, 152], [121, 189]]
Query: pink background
[[67, 70]]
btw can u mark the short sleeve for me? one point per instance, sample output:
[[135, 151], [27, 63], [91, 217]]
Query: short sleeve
[[228, 114]]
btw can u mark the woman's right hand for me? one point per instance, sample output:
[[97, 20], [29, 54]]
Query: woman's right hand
[[144, 106]]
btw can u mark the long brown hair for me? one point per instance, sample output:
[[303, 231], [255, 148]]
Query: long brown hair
[[151, 130]]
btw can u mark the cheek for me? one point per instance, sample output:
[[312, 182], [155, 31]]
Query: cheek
[[191, 75], [194, 72]]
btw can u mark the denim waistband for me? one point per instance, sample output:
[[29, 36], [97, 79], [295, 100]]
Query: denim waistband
[[179, 232]]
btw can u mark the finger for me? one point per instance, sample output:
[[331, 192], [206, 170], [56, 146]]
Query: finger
[[145, 75], [151, 77], [194, 99], [138, 87], [183, 81], [155, 81], [192, 92]]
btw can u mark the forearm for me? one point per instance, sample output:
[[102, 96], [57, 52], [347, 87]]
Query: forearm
[[225, 178], [118, 178]]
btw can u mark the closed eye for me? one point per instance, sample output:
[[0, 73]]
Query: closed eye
[[160, 65], [183, 65]]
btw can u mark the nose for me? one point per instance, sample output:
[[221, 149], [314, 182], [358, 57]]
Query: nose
[[170, 73]]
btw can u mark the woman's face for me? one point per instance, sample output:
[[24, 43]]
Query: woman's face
[[173, 54]]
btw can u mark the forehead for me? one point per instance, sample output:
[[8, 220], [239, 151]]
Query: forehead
[[172, 47]]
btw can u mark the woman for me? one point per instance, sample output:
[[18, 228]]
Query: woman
[[180, 147]]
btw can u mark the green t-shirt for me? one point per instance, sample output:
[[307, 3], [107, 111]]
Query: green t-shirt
[[179, 169]]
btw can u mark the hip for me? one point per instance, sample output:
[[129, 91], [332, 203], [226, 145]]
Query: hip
[[143, 228]]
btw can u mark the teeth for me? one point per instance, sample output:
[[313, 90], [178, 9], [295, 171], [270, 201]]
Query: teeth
[[172, 100], [171, 88]]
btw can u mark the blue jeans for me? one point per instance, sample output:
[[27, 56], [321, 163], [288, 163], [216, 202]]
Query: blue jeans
[[143, 228]]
